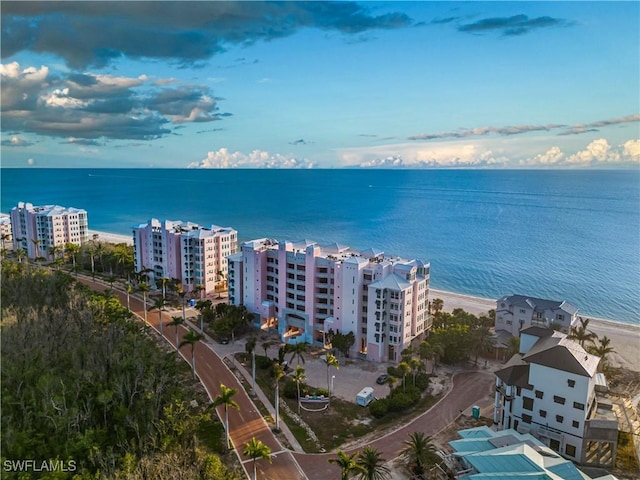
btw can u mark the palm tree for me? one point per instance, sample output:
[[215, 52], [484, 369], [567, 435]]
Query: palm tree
[[256, 450], [347, 464], [602, 350], [391, 381], [481, 340], [226, 399], [331, 361], [144, 287], [36, 244], [298, 377], [415, 365], [159, 305], [191, 338], [176, 322], [20, 253], [405, 369], [182, 293], [419, 452], [581, 334], [128, 288], [266, 346], [72, 249], [5, 237], [373, 465], [278, 374], [437, 305], [297, 350], [54, 251]]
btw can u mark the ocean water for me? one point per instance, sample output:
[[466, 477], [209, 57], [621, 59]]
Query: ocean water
[[563, 235]]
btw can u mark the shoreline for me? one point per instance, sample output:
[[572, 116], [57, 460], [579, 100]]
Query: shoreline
[[625, 337]]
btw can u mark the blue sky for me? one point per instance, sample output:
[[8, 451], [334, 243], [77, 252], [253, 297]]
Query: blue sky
[[321, 84]]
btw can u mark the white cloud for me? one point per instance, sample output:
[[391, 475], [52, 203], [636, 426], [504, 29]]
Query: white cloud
[[223, 158], [494, 153]]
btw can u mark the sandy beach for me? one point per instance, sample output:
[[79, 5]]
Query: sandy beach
[[625, 338]]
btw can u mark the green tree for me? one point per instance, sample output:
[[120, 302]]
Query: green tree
[[191, 338], [144, 288], [343, 342], [481, 340], [176, 322], [298, 377], [159, 305], [405, 369], [256, 450], [128, 288], [372, 465], [582, 333], [330, 361], [437, 305], [390, 382], [20, 253], [297, 350], [226, 399], [278, 374], [347, 463], [601, 350], [72, 250], [250, 345], [419, 453]]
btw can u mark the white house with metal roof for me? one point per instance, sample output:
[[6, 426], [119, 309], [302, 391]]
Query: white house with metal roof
[[549, 389], [307, 290], [485, 454], [515, 312]]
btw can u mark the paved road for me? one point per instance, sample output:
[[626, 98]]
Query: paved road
[[244, 423], [466, 386], [247, 422]]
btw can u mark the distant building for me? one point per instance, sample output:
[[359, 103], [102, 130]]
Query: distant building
[[6, 231], [484, 453], [188, 252], [306, 291], [551, 390], [516, 312], [38, 228]]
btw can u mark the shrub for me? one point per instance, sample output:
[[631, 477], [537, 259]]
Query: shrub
[[422, 381], [400, 401], [379, 408], [263, 363]]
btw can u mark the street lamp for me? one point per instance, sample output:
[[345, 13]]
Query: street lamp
[[333, 377], [253, 367]]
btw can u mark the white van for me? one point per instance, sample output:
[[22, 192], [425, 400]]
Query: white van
[[365, 396]]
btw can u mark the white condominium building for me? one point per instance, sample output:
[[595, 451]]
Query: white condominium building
[[551, 389], [195, 255], [5, 230], [306, 290], [38, 228], [516, 312]]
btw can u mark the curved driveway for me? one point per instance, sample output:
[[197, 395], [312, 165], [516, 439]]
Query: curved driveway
[[248, 422]]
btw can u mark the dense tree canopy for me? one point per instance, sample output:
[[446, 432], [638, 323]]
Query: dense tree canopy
[[82, 381]]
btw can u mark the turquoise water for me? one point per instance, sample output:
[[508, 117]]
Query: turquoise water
[[564, 235]]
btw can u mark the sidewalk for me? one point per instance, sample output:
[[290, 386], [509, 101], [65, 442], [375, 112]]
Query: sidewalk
[[223, 351]]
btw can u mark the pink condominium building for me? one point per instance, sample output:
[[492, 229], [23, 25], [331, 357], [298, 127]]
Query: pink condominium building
[[38, 228], [305, 290], [195, 255]]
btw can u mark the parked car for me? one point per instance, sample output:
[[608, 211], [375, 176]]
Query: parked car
[[381, 380]]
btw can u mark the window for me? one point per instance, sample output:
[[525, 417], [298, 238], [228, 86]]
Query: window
[[543, 413], [554, 444], [527, 403], [558, 399], [526, 418], [539, 394], [575, 424], [571, 383], [570, 450], [559, 418], [578, 405]]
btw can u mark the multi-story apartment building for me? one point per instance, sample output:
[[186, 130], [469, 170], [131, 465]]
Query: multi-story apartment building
[[516, 312], [194, 255], [6, 231], [551, 390], [38, 228], [306, 290]]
